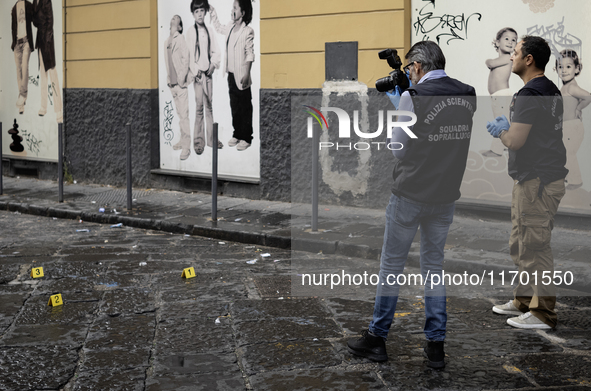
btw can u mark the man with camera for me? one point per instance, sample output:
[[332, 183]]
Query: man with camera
[[428, 171]]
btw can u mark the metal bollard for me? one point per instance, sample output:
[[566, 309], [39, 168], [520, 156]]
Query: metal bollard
[[128, 150], [214, 175], [1, 166], [315, 144], [60, 162]]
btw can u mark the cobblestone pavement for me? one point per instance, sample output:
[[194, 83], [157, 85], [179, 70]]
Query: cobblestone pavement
[[131, 322]]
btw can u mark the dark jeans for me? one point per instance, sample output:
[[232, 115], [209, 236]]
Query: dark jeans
[[241, 105], [403, 218]]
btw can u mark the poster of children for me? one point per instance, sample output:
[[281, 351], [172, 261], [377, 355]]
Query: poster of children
[[209, 72], [478, 39]]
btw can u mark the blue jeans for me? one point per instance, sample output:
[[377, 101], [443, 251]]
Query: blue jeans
[[403, 219]]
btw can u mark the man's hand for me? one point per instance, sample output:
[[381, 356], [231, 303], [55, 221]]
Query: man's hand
[[394, 96], [497, 126], [245, 80], [210, 70]]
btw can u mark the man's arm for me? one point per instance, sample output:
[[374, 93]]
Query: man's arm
[[248, 56], [183, 72], [166, 62], [497, 62], [215, 55], [14, 27], [514, 138], [584, 99], [398, 134], [220, 28]]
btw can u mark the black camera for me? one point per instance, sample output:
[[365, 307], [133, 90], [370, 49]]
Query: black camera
[[396, 77]]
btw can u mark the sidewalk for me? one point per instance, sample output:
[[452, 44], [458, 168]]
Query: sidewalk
[[474, 243]]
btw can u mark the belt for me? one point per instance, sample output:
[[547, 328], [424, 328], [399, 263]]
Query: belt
[[21, 40]]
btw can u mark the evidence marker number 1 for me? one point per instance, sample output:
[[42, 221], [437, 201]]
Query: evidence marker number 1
[[188, 272]]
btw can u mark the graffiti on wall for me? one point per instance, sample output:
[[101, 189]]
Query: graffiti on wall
[[442, 28]]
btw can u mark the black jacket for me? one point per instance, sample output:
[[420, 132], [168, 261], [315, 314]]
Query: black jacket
[[43, 20], [432, 169], [28, 19]]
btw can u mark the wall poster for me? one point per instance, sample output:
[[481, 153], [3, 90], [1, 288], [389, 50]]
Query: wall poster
[[477, 38], [31, 79], [209, 71]]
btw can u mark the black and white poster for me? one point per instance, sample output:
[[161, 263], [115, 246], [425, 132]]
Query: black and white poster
[[209, 72], [31, 78], [478, 38]]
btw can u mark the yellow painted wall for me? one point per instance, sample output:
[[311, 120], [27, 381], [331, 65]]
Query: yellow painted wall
[[111, 44], [114, 43], [293, 34]]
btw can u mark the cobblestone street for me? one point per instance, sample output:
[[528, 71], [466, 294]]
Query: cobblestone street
[[131, 322]]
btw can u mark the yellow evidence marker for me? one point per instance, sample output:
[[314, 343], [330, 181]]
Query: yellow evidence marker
[[188, 272], [37, 272], [55, 300]]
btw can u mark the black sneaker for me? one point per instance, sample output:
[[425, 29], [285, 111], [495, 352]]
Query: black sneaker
[[435, 354], [369, 346]]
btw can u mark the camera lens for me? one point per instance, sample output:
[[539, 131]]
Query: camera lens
[[385, 84]]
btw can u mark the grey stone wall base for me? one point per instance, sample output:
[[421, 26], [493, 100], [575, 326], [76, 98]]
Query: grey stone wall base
[[95, 134]]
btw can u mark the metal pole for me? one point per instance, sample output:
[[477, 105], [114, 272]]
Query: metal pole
[[315, 146], [214, 175], [128, 149], [1, 165], [60, 162]]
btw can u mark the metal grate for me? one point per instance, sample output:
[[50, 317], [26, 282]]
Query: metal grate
[[117, 196]]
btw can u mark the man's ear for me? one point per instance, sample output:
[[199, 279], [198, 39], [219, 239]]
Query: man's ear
[[417, 66], [529, 60]]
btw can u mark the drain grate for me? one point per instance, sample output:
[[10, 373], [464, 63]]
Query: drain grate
[[116, 196]]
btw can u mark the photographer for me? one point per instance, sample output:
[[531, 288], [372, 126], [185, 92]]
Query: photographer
[[427, 177]]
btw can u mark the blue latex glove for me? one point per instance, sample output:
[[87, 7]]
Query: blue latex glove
[[394, 96], [497, 126]]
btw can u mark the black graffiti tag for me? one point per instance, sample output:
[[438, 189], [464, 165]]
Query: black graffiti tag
[[33, 143], [34, 81], [446, 27], [168, 117]]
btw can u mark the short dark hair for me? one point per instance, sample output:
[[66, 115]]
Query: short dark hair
[[246, 7], [429, 54], [538, 48], [195, 4], [568, 53]]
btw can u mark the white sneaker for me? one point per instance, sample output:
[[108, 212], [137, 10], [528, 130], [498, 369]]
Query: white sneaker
[[507, 309], [242, 145], [232, 142], [527, 321]]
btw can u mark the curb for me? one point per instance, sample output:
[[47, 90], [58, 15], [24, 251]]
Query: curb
[[262, 239]]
